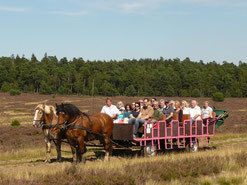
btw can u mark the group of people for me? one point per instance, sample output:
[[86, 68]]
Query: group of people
[[137, 113]]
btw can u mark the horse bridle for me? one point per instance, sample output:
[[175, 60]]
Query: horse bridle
[[39, 123], [42, 124], [67, 124]]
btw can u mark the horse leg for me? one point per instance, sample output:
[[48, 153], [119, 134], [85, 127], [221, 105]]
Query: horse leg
[[58, 148], [48, 151], [80, 149], [73, 148], [108, 147]]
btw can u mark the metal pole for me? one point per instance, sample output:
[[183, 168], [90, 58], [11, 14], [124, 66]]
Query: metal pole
[[92, 97]]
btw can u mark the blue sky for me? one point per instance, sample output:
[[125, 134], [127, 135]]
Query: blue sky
[[115, 29]]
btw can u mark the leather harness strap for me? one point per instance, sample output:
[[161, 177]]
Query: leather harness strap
[[90, 122]]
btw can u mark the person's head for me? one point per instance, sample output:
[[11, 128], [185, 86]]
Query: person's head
[[167, 102], [137, 106], [193, 103], [108, 102], [153, 100], [156, 104], [172, 103], [184, 104], [145, 102], [141, 102], [133, 105], [120, 104], [127, 107], [177, 105], [206, 104], [162, 103], [122, 110]]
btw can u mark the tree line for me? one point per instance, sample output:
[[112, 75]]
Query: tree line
[[143, 77]]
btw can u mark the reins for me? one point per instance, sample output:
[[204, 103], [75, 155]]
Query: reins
[[89, 130]]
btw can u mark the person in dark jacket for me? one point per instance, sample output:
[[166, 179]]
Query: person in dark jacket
[[178, 111]]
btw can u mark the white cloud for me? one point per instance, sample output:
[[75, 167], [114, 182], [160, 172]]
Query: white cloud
[[70, 13], [143, 6], [133, 6], [140, 6], [13, 9], [216, 2]]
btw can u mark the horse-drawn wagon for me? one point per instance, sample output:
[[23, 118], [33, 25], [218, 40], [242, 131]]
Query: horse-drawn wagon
[[78, 128], [163, 136]]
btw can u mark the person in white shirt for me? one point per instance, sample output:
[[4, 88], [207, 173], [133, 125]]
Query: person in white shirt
[[207, 112], [195, 111], [185, 107], [110, 109]]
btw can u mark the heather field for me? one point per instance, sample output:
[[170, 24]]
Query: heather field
[[22, 150]]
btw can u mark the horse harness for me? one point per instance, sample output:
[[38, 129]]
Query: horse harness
[[71, 126], [88, 130]]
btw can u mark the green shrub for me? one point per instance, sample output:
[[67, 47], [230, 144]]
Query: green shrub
[[195, 93], [130, 91], [184, 93], [45, 88], [15, 123], [5, 87], [218, 96], [170, 91], [14, 92]]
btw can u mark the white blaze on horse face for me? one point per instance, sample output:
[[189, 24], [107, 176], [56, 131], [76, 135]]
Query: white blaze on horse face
[[35, 117]]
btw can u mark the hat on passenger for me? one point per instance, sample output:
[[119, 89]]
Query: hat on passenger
[[122, 108], [167, 101]]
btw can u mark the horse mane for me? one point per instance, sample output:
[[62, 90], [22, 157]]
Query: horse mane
[[46, 108], [70, 109]]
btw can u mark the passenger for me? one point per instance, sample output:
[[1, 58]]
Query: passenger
[[158, 114], [195, 111], [162, 105], [166, 103], [120, 105], [152, 101], [141, 103], [207, 112], [127, 111], [121, 115], [185, 107], [110, 109], [146, 113], [168, 111], [173, 104], [134, 113], [179, 111], [133, 106]]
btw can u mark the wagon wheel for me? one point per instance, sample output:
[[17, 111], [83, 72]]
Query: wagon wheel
[[149, 151], [193, 147]]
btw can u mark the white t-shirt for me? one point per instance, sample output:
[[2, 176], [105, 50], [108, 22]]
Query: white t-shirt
[[195, 111], [112, 110], [206, 112], [186, 110]]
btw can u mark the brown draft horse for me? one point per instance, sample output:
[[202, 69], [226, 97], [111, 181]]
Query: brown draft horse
[[44, 117], [79, 127]]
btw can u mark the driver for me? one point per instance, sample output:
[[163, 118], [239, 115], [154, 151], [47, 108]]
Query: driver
[[110, 109]]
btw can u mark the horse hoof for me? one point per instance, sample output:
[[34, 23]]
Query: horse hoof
[[107, 159], [47, 161], [59, 160]]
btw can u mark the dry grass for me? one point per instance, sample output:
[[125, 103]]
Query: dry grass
[[23, 150], [226, 166]]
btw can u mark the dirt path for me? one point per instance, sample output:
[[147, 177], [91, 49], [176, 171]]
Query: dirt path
[[34, 164]]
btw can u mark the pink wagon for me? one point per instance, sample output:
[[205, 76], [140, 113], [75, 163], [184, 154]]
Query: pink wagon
[[163, 136]]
